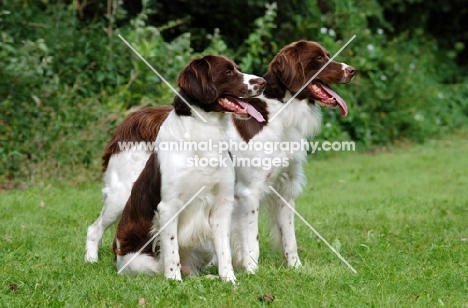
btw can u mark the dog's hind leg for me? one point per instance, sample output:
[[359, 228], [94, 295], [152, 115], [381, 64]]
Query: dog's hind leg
[[245, 228], [114, 204], [281, 216]]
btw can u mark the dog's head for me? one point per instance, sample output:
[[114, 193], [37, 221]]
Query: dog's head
[[298, 62], [216, 84]]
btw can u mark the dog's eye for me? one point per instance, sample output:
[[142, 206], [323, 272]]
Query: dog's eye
[[229, 72], [319, 59]]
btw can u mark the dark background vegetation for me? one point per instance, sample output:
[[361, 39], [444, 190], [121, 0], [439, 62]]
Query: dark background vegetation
[[67, 80]]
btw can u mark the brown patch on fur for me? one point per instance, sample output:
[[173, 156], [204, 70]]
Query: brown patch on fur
[[133, 230], [248, 128], [140, 126]]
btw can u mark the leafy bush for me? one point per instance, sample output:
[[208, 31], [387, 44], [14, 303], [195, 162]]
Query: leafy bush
[[67, 83], [68, 89]]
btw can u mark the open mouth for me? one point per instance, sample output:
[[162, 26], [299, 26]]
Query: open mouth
[[240, 107], [327, 97]]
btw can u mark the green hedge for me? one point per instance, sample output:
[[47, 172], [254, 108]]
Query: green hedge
[[67, 83]]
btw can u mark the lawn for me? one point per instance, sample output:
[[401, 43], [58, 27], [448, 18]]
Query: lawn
[[400, 217]]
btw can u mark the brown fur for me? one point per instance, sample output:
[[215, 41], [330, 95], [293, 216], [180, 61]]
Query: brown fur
[[205, 80], [296, 64], [133, 228], [142, 125]]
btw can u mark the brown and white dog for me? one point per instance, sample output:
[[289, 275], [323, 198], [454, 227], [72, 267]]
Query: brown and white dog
[[291, 68], [213, 86], [300, 120]]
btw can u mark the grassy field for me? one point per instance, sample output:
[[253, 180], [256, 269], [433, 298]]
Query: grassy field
[[399, 217]]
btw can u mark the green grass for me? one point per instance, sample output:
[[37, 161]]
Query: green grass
[[400, 218]]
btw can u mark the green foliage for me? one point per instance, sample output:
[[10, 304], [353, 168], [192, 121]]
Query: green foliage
[[260, 44], [68, 88], [51, 114], [67, 83]]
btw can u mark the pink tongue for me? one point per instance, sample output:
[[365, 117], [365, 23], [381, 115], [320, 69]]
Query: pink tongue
[[251, 110], [339, 100]]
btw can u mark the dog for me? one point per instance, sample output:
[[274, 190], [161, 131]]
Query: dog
[[123, 163], [291, 68], [288, 73], [213, 86]]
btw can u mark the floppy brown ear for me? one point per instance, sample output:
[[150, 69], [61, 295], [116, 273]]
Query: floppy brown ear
[[196, 80], [288, 67]]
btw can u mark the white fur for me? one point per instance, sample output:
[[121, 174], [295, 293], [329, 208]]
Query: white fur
[[346, 75], [142, 263], [252, 87], [298, 120]]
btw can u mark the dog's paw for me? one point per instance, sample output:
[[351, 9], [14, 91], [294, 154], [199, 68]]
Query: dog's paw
[[91, 257], [251, 268], [293, 260], [174, 275], [229, 277]]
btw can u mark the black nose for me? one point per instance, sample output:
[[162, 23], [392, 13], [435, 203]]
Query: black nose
[[350, 70], [260, 82]]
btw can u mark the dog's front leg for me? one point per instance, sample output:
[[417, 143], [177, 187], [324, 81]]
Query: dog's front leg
[[169, 240], [220, 224]]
